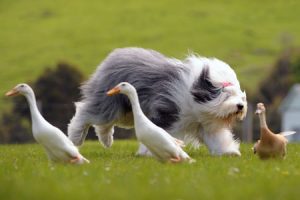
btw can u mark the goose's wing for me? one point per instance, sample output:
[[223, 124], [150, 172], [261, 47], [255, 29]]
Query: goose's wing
[[175, 140], [70, 149], [50, 154], [57, 142], [158, 141]]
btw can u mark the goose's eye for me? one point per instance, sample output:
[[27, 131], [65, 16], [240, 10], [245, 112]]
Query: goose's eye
[[22, 86], [123, 84]]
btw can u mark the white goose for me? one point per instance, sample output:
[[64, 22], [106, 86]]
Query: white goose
[[162, 145], [58, 147]]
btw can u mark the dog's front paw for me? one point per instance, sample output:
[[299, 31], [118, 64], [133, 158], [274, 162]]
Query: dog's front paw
[[234, 151]]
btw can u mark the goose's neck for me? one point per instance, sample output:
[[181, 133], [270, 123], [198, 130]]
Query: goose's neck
[[34, 111], [136, 108]]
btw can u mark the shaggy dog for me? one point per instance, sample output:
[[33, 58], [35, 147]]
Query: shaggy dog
[[197, 99]]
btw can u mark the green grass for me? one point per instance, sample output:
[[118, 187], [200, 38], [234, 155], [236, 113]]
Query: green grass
[[247, 34], [116, 173]]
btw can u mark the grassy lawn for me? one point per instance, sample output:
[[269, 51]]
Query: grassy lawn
[[117, 173]]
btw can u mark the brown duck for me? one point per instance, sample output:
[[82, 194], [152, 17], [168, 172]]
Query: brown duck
[[270, 145]]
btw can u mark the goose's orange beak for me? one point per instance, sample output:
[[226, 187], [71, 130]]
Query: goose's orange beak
[[12, 92], [114, 91]]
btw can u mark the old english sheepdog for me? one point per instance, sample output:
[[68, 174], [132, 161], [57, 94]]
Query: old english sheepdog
[[196, 99]]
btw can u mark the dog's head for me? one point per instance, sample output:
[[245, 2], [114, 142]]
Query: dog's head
[[218, 91]]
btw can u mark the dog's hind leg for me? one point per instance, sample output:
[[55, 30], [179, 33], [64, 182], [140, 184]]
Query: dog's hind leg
[[78, 127], [77, 131], [105, 134]]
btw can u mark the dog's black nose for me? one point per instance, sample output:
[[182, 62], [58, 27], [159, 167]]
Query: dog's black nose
[[240, 106]]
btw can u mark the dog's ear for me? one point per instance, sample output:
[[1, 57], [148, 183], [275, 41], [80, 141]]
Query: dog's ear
[[203, 90]]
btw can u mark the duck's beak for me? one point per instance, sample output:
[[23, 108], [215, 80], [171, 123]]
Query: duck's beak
[[12, 92], [258, 111], [114, 91]]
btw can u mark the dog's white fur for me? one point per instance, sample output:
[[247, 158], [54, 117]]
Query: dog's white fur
[[209, 122], [216, 117]]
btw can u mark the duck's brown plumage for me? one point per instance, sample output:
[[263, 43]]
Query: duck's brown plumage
[[270, 145]]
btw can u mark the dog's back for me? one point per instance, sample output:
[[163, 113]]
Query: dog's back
[[155, 77]]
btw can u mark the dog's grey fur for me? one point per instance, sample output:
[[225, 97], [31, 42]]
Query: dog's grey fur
[[149, 72], [164, 86]]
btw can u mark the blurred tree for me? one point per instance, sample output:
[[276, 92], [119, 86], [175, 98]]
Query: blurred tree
[[275, 87], [14, 130], [55, 91]]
